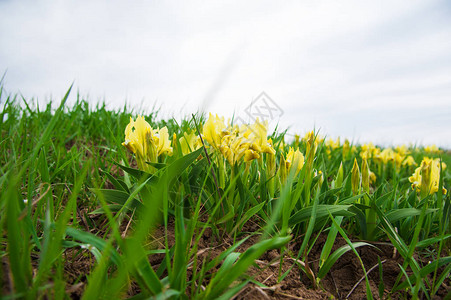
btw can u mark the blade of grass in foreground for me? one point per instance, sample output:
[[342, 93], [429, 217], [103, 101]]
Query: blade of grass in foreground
[[18, 250], [51, 249], [230, 271], [369, 294], [399, 244], [330, 261]]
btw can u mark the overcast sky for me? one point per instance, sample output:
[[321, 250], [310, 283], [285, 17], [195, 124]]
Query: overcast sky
[[368, 70]]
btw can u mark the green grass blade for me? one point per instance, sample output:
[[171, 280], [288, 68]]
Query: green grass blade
[[336, 255], [220, 283]]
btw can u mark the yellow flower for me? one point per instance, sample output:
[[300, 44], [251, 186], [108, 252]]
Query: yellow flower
[[213, 131], [386, 155], [235, 143], [402, 150], [426, 177], [189, 142], [398, 159], [270, 163], [409, 161], [250, 155], [161, 138], [415, 179], [233, 148], [376, 151], [295, 159], [333, 144], [147, 144], [310, 136], [372, 177], [135, 136], [257, 134]]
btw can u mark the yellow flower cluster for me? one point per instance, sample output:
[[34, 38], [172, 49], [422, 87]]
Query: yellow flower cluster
[[399, 156], [236, 143], [146, 143], [432, 149], [369, 151], [333, 144], [427, 176]]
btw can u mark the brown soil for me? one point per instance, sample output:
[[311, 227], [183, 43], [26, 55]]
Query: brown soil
[[339, 283]]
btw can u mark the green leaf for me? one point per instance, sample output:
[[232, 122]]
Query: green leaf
[[369, 295], [16, 247], [111, 207], [156, 165], [118, 184], [90, 239], [331, 237], [402, 213], [427, 242], [247, 215], [138, 174], [113, 196], [233, 291], [429, 268], [336, 255], [384, 198], [117, 200], [321, 212], [167, 294], [350, 200]]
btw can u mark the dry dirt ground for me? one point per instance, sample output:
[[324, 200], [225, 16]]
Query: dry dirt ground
[[344, 280]]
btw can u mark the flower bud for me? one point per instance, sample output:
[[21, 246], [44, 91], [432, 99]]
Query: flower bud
[[425, 178], [270, 165], [355, 178], [365, 176], [339, 179], [296, 140]]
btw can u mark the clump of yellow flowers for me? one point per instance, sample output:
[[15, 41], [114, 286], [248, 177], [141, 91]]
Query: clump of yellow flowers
[[427, 176], [146, 143], [332, 145], [432, 149], [236, 143]]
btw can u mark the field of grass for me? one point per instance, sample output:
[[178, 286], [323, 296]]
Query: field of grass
[[96, 205]]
